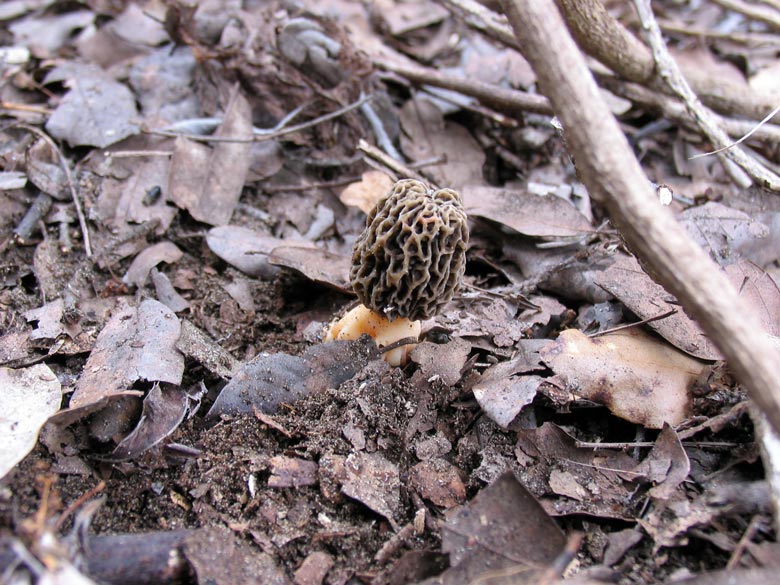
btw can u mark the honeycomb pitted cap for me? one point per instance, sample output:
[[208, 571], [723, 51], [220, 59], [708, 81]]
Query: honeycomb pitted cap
[[411, 257]]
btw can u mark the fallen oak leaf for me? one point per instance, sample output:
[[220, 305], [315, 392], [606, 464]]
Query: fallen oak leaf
[[637, 377]]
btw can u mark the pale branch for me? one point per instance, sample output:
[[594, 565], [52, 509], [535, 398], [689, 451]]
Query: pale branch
[[672, 109], [69, 181], [509, 101], [767, 14], [605, 39], [670, 73], [612, 174]]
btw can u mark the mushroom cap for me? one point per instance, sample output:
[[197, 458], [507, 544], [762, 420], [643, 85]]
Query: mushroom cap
[[411, 257]]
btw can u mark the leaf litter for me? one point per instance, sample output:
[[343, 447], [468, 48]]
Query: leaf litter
[[170, 396]]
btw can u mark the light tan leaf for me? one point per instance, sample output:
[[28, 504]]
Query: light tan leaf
[[365, 193], [637, 377]]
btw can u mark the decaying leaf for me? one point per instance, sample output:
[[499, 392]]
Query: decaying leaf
[[138, 343], [292, 472], [316, 264], [666, 465], [142, 264], [438, 481], [502, 527], [503, 397], [271, 380], [49, 320], [619, 543], [27, 398], [491, 322], [526, 213], [721, 230], [166, 293], [246, 249], [373, 481], [207, 181], [443, 360], [163, 411], [314, 568], [97, 111], [637, 377], [759, 291], [588, 481], [625, 279], [217, 555], [428, 135], [124, 195]]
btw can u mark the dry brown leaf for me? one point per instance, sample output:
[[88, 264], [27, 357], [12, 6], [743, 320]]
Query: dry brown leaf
[[142, 264], [29, 396], [428, 135], [529, 214], [375, 482], [207, 181], [721, 230], [138, 343], [629, 283], [97, 111], [126, 181], [636, 376], [270, 380], [666, 465], [163, 412], [217, 555], [292, 472], [316, 264], [246, 249], [600, 479], [760, 291], [502, 527], [502, 398], [438, 481], [443, 360]]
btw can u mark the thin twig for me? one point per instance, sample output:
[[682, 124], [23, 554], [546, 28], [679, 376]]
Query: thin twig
[[637, 324], [765, 14], [747, 536], [674, 110], [380, 133], [649, 444], [138, 153], [395, 166], [510, 101], [751, 39], [90, 493], [670, 73], [69, 179], [744, 137], [612, 175], [35, 214], [29, 108], [271, 135], [202, 126]]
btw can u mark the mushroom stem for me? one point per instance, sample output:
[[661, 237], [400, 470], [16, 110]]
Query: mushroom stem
[[362, 320]]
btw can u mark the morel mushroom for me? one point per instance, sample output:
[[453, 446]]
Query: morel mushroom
[[406, 265]]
